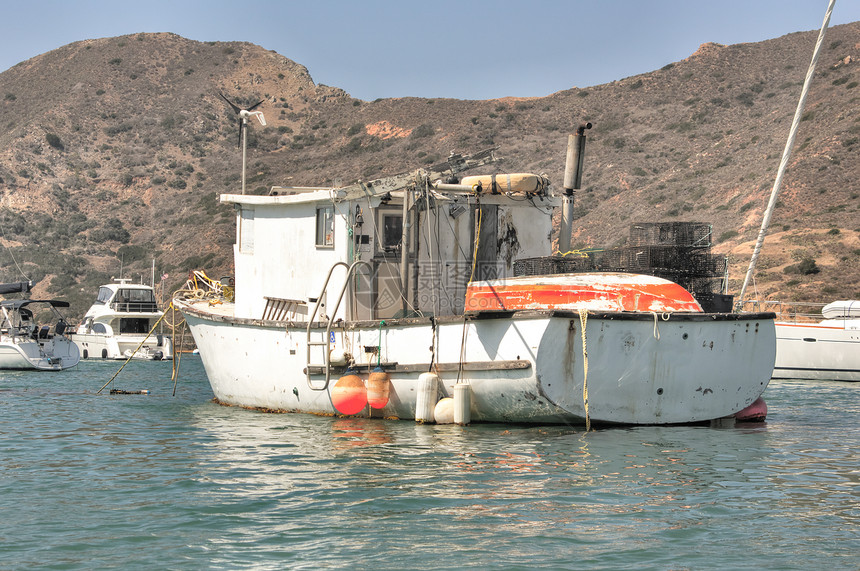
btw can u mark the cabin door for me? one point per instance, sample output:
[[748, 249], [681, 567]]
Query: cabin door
[[387, 299], [485, 224]]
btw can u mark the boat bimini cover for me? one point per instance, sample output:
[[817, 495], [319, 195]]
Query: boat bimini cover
[[16, 304], [16, 287]]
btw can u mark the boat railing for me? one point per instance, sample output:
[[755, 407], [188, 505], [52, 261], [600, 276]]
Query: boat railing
[[279, 309], [134, 306], [789, 311], [325, 341]]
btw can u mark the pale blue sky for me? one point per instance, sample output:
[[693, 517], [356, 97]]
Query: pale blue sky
[[465, 49]]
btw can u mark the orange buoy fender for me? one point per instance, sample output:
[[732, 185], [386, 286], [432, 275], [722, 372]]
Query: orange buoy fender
[[349, 395], [378, 388], [756, 412]]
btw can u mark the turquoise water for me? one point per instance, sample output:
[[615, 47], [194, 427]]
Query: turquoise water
[[177, 482]]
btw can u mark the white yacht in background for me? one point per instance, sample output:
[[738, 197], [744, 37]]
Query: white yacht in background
[[121, 323]]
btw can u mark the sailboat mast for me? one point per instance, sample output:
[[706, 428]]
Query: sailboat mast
[[786, 153]]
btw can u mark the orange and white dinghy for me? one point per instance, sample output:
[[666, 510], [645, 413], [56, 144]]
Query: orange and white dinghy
[[601, 291]]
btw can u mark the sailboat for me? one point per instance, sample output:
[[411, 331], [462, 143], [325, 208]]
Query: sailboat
[[828, 349], [26, 344]]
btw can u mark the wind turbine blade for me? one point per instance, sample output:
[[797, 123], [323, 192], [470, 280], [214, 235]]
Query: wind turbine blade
[[241, 126], [230, 103], [255, 105]]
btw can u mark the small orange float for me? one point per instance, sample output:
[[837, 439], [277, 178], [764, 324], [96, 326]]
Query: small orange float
[[349, 395], [378, 388]]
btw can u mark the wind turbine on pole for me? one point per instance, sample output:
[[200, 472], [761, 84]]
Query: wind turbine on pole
[[243, 115]]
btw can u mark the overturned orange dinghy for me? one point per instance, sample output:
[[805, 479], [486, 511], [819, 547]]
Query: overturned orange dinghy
[[602, 291]]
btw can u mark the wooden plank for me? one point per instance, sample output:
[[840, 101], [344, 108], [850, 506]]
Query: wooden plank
[[441, 367], [277, 309]]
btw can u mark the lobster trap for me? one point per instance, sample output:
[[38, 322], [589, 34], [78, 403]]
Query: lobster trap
[[683, 234], [676, 251]]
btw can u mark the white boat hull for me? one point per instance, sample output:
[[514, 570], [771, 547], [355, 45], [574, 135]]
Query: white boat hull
[[121, 347], [817, 351], [53, 354], [527, 367]]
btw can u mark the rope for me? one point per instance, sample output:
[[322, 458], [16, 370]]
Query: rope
[[437, 298], [11, 255], [379, 345], [656, 331], [575, 253], [462, 350], [199, 285], [433, 348], [177, 354], [477, 241], [583, 318], [130, 357], [665, 316]]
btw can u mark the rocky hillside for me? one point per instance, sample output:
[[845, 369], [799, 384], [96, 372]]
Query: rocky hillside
[[113, 152]]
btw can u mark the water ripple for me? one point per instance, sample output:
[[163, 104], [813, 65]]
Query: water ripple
[[156, 481]]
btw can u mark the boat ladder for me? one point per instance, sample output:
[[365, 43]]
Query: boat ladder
[[325, 341]]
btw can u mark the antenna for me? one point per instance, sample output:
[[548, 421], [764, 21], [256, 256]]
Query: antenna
[[243, 115]]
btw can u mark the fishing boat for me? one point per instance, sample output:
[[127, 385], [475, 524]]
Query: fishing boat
[[26, 344], [121, 324], [828, 349], [398, 298]]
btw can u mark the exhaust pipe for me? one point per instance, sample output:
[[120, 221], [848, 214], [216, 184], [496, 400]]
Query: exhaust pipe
[[572, 181]]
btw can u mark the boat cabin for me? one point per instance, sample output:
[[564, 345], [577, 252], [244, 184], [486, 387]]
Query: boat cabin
[[127, 299], [414, 244], [121, 308]]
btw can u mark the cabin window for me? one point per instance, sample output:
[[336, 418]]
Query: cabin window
[[132, 325], [104, 295], [246, 231], [135, 300], [325, 226], [392, 232]]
